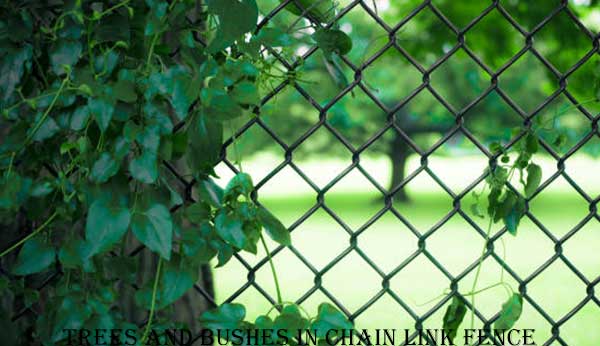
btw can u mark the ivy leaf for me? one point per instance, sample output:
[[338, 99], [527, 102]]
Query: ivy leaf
[[226, 316], [144, 168], [102, 110], [107, 222], [198, 212], [177, 278], [35, 256], [245, 93], [125, 91], [79, 118], [510, 313], [222, 106], [47, 129], [333, 41], [514, 215], [205, 138], [291, 320], [453, 317], [321, 10], [210, 192], [534, 178], [329, 318], [65, 52], [104, 168], [240, 184], [154, 228], [274, 37], [12, 66], [76, 253], [274, 228], [230, 227], [236, 17], [531, 143]]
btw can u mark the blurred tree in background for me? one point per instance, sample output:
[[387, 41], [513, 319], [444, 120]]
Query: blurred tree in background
[[392, 90]]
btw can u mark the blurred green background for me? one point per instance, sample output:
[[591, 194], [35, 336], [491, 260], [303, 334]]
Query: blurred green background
[[392, 74]]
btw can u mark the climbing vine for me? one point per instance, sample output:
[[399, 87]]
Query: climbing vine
[[94, 97]]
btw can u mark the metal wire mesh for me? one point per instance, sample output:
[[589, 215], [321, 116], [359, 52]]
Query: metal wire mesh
[[459, 127]]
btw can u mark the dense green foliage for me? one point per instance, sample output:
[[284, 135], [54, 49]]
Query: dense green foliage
[[95, 96]]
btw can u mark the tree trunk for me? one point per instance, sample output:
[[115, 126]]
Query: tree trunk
[[398, 153]]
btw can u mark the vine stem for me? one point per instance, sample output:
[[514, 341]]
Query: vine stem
[[273, 271], [45, 115], [153, 304], [31, 235], [478, 271]]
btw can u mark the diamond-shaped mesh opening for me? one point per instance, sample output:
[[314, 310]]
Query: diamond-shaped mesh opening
[[320, 228], [354, 199], [529, 14], [426, 29], [451, 235], [492, 119], [387, 242], [460, 13], [579, 84], [470, 80], [574, 43], [588, 156], [507, 40], [418, 282], [516, 249], [425, 120], [298, 109], [392, 77], [559, 195], [587, 317], [581, 250], [356, 117], [324, 142], [368, 36], [340, 278], [561, 125], [474, 162], [429, 202], [520, 74], [551, 285]]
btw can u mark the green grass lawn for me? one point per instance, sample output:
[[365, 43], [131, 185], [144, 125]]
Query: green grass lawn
[[388, 242]]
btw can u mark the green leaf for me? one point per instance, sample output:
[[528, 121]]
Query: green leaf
[[514, 215], [274, 37], [531, 143], [333, 41], [12, 66], [534, 178], [274, 228], [65, 52], [453, 317], [102, 110], [210, 192], [76, 253], [222, 106], [107, 222], [125, 91], [245, 93], [226, 316], [144, 168], [321, 10], [198, 212], [177, 278], [79, 118], [47, 129], [230, 227], [35, 256], [291, 320], [236, 17], [240, 184], [104, 168], [154, 228], [205, 138], [329, 318], [510, 313]]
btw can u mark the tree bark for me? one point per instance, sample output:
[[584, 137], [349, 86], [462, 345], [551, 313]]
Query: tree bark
[[398, 153]]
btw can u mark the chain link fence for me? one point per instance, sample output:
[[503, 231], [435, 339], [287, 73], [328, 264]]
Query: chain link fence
[[458, 208]]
